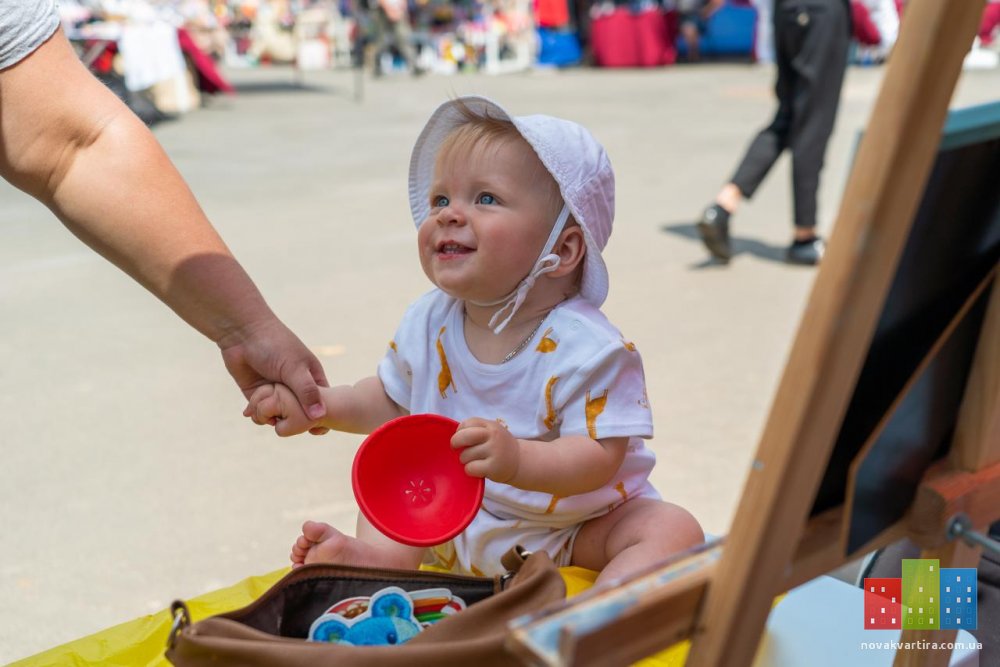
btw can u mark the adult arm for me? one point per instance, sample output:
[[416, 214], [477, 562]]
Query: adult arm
[[66, 140]]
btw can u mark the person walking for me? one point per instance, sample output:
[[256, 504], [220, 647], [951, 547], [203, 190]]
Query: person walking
[[811, 40]]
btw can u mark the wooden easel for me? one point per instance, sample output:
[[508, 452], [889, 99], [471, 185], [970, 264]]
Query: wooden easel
[[720, 597]]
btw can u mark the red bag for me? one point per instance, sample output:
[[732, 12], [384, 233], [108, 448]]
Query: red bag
[[865, 31], [623, 39], [655, 45], [611, 40], [551, 13]]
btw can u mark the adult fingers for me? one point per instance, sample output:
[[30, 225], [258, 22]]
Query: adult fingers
[[319, 375], [303, 383]]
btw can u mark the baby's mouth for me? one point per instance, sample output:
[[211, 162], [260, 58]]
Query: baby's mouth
[[451, 248]]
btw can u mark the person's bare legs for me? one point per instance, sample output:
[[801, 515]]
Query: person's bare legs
[[322, 543], [729, 198], [633, 536], [713, 225], [691, 37]]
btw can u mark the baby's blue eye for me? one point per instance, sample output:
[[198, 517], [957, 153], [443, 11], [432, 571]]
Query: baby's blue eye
[[487, 198], [440, 201]]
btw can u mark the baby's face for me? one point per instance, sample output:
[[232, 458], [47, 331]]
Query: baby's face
[[489, 217]]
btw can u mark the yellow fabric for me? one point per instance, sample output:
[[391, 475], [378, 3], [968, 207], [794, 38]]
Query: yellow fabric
[[140, 643], [578, 580]]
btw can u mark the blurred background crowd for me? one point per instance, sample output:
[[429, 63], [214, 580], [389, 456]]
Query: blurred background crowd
[[161, 56]]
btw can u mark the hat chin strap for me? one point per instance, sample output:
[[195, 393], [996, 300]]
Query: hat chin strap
[[546, 263]]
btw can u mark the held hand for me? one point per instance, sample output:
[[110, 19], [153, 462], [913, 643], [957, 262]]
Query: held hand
[[276, 405], [487, 449], [270, 352]]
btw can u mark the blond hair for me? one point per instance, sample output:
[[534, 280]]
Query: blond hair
[[479, 131]]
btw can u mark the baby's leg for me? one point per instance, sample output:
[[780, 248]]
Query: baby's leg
[[322, 543], [633, 536]]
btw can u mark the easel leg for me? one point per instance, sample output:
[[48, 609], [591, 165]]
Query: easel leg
[[892, 165]]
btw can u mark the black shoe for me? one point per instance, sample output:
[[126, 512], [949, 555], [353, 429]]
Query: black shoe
[[714, 229], [807, 253]]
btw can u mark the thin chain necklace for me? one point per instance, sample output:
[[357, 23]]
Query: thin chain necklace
[[520, 346]]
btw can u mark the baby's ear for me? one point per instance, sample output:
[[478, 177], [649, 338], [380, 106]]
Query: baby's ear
[[571, 249]]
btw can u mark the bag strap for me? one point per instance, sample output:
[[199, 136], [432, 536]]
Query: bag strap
[[513, 560], [182, 619]]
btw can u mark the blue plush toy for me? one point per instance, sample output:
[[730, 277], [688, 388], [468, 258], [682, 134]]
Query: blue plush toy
[[388, 620]]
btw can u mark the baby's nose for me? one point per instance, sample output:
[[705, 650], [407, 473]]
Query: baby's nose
[[451, 215]]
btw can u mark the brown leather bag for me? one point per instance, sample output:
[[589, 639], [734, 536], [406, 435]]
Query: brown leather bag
[[270, 631]]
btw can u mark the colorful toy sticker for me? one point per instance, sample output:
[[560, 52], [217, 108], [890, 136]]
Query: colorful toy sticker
[[390, 616]]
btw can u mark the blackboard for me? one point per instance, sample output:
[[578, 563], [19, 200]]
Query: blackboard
[[954, 245]]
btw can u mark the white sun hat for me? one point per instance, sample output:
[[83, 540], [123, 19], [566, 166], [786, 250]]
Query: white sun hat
[[577, 162]]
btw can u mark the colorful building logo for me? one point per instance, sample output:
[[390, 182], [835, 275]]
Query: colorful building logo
[[925, 598]]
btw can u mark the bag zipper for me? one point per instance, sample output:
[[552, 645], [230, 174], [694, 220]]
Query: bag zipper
[[322, 571]]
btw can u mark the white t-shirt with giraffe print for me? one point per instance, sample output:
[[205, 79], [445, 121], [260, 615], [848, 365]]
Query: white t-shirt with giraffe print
[[577, 376]]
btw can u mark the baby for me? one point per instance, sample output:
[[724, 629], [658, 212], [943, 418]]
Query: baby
[[512, 214]]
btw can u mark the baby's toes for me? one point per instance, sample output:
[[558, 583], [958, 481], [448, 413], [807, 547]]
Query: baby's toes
[[317, 531]]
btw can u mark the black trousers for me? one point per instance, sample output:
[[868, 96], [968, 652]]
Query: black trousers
[[811, 40]]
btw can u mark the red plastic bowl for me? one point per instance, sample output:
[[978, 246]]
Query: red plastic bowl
[[410, 484]]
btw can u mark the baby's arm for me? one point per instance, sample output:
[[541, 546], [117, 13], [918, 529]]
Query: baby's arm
[[360, 408], [566, 466]]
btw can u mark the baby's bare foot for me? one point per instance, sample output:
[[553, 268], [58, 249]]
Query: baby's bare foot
[[322, 543]]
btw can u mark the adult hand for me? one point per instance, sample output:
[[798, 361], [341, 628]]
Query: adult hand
[[269, 352]]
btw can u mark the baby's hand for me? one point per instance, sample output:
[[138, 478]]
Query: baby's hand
[[275, 404], [488, 449]]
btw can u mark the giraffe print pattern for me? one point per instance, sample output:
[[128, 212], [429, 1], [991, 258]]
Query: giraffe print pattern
[[552, 504], [594, 407], [620, 488], [644, 401], [546, 344], [550, 412], [444, 377]]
